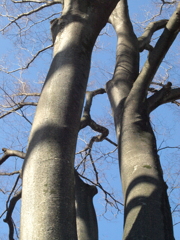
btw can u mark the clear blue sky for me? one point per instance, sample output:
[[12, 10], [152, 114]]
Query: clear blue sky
[[165, 120]]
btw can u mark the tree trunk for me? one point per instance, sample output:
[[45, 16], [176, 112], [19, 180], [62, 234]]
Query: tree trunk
[[48, 200], [87, 228], [146, 211]]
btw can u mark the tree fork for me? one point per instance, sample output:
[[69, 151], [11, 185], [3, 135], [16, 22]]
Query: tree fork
[[146, 202]]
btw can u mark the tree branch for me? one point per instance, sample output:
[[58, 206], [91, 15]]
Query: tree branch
[[127, 62], [87, 121], [10, 209], [165, 95], [116, 202], [38, 1], [141, 85], [9, 174], [155, 100], [9, 153], [98, 128], [20, 105], [167, 2], [85, 214], [86, 118], [28, 94], [145, 39], [31, 60], [110, 141], [27, 14]]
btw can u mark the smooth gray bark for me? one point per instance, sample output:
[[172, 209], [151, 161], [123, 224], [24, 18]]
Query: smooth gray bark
[[86, 221], [127, 62], [147, 212], [48, 200], [48, 197]]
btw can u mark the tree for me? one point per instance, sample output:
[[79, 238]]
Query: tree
[[53, 203]]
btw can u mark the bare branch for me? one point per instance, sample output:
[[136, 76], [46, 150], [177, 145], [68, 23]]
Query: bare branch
[[176, 102], [19, 106], [155, 100], [168, 147], [8, 153], [31, 60], [94, 168], [110, 141], [85, 120], [167, 2], [38, 1], [27, 14], [156, 56], [98, 128], [176, 223], [116, 202], [9, 174], [28, 94], [10, 209], [165, 95], [145, 39], [160, 10]]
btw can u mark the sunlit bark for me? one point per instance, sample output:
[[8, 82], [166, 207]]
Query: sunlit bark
[[147, 213], [48, 171]]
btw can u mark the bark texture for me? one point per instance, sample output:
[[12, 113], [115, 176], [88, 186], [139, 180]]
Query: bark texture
[[87, 228], [147, 212], [48, 196], [48, 210]]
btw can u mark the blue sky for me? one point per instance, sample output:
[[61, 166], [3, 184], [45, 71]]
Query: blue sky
[[165, 119]]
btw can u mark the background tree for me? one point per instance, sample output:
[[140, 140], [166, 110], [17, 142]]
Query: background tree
[[49, 194]]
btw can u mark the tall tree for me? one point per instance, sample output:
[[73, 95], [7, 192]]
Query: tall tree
[[56, 203], [143, 185]]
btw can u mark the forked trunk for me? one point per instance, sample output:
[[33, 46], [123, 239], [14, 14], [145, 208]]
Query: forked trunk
[[146, 211]]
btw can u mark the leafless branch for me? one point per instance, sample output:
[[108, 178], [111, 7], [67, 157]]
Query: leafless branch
[[160, 149], [156, 15], [176, 102], [156, 98], [98, 128], [10, 204], [30, 61], [28, 27], [115, 201], [28, 94], [8, 153], [15, 19], [85, 120], [15, 184], [38, 1], [2, 192], [9, 174], [145, 39], [159, 84], [10, 209], [155, 57], [167, 2], [110, 141], [165, 95], [94, 168], [176, 223], [19, 106]]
